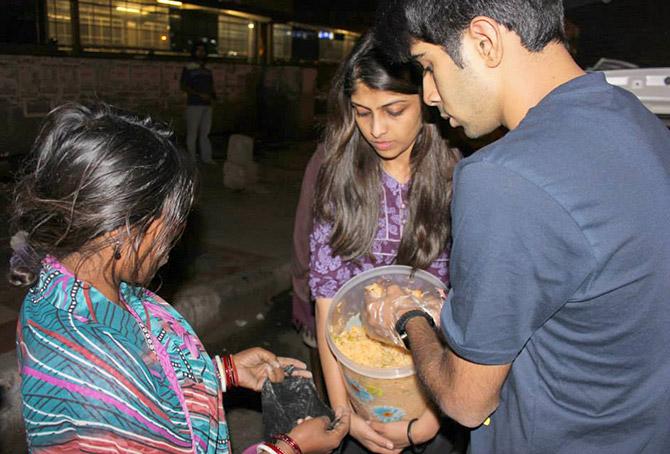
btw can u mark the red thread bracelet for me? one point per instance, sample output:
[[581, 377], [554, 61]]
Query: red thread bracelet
[[289, 441]]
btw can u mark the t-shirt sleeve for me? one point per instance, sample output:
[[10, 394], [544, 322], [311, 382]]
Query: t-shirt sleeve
[[517, 258], [327, 273]]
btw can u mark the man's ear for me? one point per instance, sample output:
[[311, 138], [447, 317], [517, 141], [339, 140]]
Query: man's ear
[[486, 37]]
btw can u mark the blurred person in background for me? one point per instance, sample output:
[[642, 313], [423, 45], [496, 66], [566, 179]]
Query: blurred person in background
[[198, 84]]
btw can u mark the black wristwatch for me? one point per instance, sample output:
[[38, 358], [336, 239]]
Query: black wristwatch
[[401, 324]]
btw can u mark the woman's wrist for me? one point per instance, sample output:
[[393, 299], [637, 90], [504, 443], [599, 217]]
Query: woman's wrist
[[227, 371], [419, 432], [357, 422], [270, 448], [285, 447]]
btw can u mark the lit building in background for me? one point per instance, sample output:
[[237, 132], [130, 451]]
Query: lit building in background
[[170, 27]]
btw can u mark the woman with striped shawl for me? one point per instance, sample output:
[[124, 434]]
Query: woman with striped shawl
[[106, 365]]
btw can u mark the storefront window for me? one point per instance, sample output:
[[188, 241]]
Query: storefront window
[[281, 42], [142, 24], [59, 22], [173, 26], [237, 37]]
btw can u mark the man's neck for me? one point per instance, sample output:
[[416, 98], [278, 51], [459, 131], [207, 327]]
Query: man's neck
[[531, 76]]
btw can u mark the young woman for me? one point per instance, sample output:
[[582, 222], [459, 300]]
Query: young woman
[[106, 365], [382, 197]]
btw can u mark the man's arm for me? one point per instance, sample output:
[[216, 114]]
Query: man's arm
[[465, 391]]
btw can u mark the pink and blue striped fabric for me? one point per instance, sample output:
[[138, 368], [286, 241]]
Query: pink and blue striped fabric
[[97, 377]]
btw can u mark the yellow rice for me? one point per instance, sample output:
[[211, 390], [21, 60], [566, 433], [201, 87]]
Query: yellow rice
[[361, 349]]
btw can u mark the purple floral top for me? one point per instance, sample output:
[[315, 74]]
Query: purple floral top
[[328, 273]]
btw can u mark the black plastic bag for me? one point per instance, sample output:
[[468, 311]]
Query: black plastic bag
[[284, 403]]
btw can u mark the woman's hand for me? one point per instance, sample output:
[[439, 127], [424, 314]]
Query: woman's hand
[[256, 365], [423, 430], [362, 431], [314, 436], [396, 432]]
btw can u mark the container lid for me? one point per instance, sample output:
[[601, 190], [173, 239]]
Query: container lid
[[400, 274]]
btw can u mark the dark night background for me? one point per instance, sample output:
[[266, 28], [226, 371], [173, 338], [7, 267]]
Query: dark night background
[[637, 31], [634, 30]]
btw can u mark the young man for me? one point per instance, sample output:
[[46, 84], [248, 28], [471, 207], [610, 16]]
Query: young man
[[558, 320], [198, 84]]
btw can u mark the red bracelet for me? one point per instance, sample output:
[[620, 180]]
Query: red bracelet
[[269, 448], [230, 371], [289, 441], [226, 373], [235, 376]]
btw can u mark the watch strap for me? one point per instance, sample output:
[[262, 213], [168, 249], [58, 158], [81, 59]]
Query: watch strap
[[401, 324]]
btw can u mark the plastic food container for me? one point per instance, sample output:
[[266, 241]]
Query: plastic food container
[[386, 394]]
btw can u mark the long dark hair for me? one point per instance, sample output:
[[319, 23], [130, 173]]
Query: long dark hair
[[347, 193], [94, 170]]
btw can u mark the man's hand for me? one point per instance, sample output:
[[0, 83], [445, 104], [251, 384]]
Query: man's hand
[[256, 365], [315, 436], [383, 306]]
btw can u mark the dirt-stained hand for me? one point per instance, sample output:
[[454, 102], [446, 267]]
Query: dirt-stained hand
[[318, 436], [256, 365]]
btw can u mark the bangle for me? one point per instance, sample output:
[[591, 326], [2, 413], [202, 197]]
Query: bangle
[[409, 431], [236, 378], [289, 441], [269, 448], [417, 449], [222, 377], [230, 371]]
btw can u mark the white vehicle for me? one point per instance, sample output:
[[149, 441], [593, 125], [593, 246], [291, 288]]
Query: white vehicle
[[650, 85]]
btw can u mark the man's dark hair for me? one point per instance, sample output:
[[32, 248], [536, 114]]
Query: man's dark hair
[[442, 22]]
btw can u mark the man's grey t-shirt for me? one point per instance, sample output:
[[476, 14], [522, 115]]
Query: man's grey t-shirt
[[561, 266]]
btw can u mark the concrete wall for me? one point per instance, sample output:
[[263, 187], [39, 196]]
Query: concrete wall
[[273, 101]]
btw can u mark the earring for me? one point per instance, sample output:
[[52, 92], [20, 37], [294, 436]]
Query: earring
[[117, 250]]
